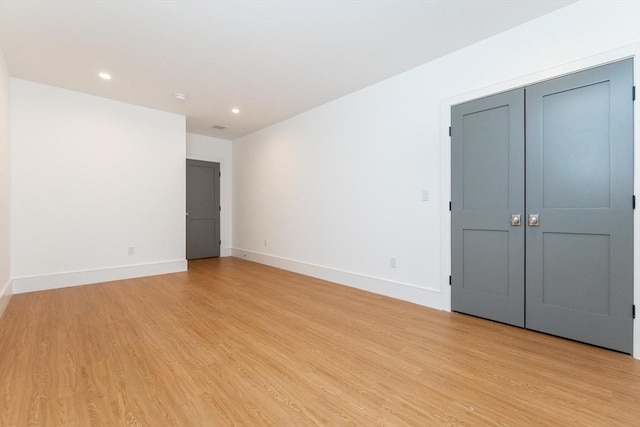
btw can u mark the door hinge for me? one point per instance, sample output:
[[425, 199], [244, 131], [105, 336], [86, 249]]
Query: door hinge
[[633, 310], [449, 280], [220, 242], [449, 206], [633, 201], [633, 93], [449, 130], [219, 173], [220, 208]]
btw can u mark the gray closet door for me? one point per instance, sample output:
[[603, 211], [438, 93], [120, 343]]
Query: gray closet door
[[487, 189], [203, 209], [579, 177]]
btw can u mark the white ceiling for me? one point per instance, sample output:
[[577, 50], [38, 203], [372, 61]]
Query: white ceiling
[[271, 59]]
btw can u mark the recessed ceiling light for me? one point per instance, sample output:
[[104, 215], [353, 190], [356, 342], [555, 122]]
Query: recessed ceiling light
[[236, 111], [219, 127], [180, 96], [105, 76]]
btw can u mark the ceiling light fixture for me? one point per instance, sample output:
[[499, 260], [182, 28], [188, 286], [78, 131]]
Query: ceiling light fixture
[[105, 76], [235, 111], [219, 127], [180, 96]]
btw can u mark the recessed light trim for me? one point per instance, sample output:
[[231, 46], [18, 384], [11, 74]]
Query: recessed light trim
[[235, 110], [105, 76]]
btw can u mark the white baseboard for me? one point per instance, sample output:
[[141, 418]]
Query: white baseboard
[[87, 277], [5, 296], [402, 291]]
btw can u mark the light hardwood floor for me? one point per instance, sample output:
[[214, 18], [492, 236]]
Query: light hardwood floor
[[236, 343]]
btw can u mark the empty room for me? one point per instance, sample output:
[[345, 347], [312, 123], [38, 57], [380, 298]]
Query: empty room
[[319, 213]]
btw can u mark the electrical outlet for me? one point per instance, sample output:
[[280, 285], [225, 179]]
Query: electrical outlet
[[392, 262]]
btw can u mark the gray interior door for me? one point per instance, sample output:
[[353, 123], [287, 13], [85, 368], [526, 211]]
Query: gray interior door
[[580, 182], [203, 209], [487, 189], [574, 138]]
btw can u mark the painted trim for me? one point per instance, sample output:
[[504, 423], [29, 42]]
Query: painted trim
[[87, 277], [403, 291], [5, 296], [629, 51]]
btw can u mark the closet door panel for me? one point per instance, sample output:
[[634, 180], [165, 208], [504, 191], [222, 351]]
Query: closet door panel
[[579, 180]]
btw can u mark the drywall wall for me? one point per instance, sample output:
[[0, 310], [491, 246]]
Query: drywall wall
[[5, 175], [217, 150], [97, 187], [338, 191]]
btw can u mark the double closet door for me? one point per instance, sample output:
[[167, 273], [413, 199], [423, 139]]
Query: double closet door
[[542, 207]]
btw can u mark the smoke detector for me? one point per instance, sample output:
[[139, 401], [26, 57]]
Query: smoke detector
[[219, 127], [180, 96]]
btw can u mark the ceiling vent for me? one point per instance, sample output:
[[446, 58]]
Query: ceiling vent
[[219, 127]]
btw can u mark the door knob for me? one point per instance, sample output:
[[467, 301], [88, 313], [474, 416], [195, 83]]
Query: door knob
[[515, 220], [534, 220]]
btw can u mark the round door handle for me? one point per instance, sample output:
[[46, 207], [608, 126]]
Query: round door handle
[[534, 220]]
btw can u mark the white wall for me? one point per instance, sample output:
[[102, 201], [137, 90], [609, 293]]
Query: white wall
[[91, 178], [336, 191], [217, 150], [5, 175]]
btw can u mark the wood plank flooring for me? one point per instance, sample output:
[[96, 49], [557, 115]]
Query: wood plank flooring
[[233, 343]]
